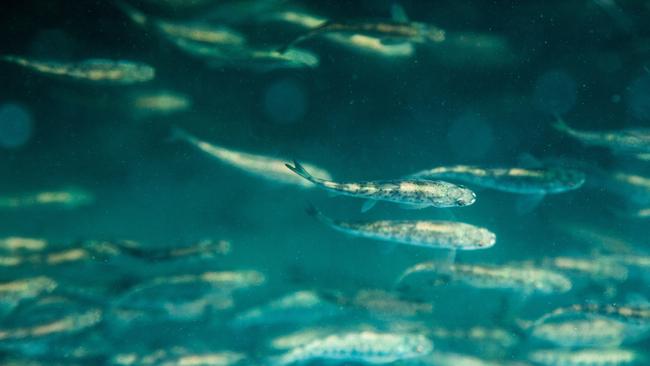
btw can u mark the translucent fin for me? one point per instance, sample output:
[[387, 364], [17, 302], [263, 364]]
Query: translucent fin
[[527, 160], [398, 14], [368, 205], [528, 203]]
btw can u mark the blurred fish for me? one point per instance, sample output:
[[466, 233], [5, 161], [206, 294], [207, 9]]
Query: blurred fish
[[16, 244], [630, 141], [451, 359], [158, 102], [300, 307], [475, 51], [526, 279], [399, 29], [598, 268], [476, 334], [261, 59], [381, 303], [67, 198], [588, 331], [257, 165], [101, 71], [426, 233], [630, 314], [587, 357], [178, 356], [411, 193], [13, 293], [364, 347], [513, 180]]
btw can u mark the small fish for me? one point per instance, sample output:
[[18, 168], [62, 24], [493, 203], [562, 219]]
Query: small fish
[[364, 347], [399, 29], [158, 102], [630, 314], [412, 193], [513, 180], [13, 293], [526, 279], [17, 244], [581, 332], [381, 303], [598, 268], [425, 233], [178, 356], [258, 165], [630, 141], [476, 334], [101, 71], [586, 357], [451, 359], [301, 307], [67, 198], [262, 59]]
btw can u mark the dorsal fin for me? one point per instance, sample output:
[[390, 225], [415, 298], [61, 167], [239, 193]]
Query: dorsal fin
[[398, 14]]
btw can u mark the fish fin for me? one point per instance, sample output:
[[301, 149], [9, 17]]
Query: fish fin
[[134, 14], [528, 160], [178, 134], [419, 206], [561, 125], [528, 203], [300, 170], [397, 13], [451, 256], [368, 205]]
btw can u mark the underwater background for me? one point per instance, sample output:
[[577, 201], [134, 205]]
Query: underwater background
[[489, 98]]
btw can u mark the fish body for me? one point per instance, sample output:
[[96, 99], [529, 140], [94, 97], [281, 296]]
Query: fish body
[[425, 233], [102, 71], [264, 60], [525, 279], [13, 293], [581, 332], [632, 141], [159, 102], [599, 268], [586, 357], [257, 165], [365, 347], [513, 180], [67, 198], [416, 193], [178, 357]]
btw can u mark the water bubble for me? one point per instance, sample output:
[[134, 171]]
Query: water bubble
[[555, 92], [15, 125], [638, 98], [470, 136], [285, 101]]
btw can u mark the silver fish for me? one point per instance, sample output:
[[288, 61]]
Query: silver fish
[[366, 347], [631, 141], [178, 356], [585, 331], [68, 198], [258, 165], [586, 357], [425, 233], [93, 70], [598, 268], [413, 193], [513, 180]]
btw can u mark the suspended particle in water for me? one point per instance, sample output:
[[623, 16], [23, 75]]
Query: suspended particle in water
[[285, 101], [15, 125], [555, 92], [638, 98], [470, 136]]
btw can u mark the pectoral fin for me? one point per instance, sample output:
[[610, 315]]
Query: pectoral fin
[[528, 203], [368, 205]]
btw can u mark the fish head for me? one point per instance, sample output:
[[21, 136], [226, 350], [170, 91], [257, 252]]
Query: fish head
[[417, 345], [573, 178], [432, 33], [461, 196], [485, 239]]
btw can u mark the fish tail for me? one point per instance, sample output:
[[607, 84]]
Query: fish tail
[[561, 125], [300, 170], [179, 134], [134, 14]]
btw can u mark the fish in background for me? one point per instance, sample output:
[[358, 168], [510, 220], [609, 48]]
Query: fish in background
[[17, 291], [161, 102], [438, 358], [579, 331], [410, 193], [260, 166], [397, 29], [584, 357], [96, 71], [424, 233], [260, 59], [631, 141], [521, 278], [68, 198], [596, 268], [19, 245], [178, 356], [364, 347]]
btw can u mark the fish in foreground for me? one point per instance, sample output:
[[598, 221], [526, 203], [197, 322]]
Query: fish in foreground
[[257, 165], [526, 279], [513, 180], [178, 356], [397, 29], [587, 357], [635, 141], [365, 347], [411, 193], [65, 198], [425, 233], [102, 71]]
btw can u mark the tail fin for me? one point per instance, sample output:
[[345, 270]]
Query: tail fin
[[134, 14], [300, 170], [561, 125], [179, 134]]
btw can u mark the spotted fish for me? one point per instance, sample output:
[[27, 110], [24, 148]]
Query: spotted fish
[[634, 141], [412, 193], [425, 233]]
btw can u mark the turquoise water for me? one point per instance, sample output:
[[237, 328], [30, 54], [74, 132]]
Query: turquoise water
[[124, 246]]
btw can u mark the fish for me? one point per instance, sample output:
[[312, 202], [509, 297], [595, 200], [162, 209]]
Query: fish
[[398, 29], [68, 198], [632, 141], [526, 279], [451, 359], [158, 103], [97, 71], [364, 347], [382, 303], [598, 268], [510, 179], [300, 307], [17, 291], [178, 356], [261, 59], [260, 166], [17, 244], [630, 314], [576, 332], [410, 193], [424, 233], [586, 357]]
